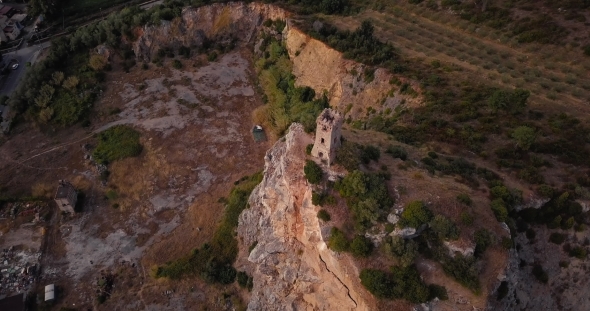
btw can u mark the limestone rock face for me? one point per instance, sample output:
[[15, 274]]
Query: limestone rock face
[[231, 23], [291, 265]]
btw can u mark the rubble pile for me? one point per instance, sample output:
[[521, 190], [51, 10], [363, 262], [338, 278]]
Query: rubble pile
[[17, 273], [13, 210]]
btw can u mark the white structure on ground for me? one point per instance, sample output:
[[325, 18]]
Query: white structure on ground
[[327, 135]]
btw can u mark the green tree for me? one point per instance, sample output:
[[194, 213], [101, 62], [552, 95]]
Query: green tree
[[361, 246], [499, 208], [524, 136], [338, 241], [415, 214], [377, 282], [313, 172], [444, 228]]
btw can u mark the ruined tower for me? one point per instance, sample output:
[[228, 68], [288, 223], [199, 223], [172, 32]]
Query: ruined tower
[[327, 135]]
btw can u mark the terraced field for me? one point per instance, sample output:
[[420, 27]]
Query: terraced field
[[553, 74]]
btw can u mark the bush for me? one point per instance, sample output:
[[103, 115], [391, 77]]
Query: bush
[[401, 283], [466, 218], [313, 172], [540, 274], [437, 291], [338, 241], [176, 64], [415, 214], [361, 246], [308, 149], [444, 228], [483, 239], [578, 252], [324, 215], [545, 191], [556, 238], [499, 209], [377, 282], [465, 199], [524, 136], [464, 270], [397, 152], [369, 153], [116, 143], [404, 250]]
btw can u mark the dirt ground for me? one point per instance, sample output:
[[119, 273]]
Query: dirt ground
[[196, 135]]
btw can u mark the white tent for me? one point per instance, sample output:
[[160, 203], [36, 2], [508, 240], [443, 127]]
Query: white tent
[[49, 292]]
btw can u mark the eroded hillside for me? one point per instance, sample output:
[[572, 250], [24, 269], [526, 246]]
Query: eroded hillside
[[445, 195]]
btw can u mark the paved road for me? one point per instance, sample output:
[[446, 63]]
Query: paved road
[[24, 55]]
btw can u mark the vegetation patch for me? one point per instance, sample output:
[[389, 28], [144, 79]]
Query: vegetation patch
[[116, 143]]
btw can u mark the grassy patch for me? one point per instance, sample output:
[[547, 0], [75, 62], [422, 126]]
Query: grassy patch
[[117, 143]]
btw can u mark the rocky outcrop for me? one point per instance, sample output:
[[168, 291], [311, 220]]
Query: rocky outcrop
[[324, 69], [314, 63], [231, 23], [291, 265]]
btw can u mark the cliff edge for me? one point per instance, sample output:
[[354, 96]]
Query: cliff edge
[[290, 263]]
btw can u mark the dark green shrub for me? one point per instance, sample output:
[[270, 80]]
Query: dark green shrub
[[437, 291], [338, 241], [415, 214], [401, 283], [243, 279], [432, 155], [465, 199], [507, 243], [397, 152], [564, 264], [369, 153], [568, 223], [324, 215], [212, 56], [444, 228], [466, 218], [313, 172], [578, 252], [377, 282], [557, 238], [176, 64], [117, 143], [540, 274], [464, 270], [545, 191], [483, 239], [361, 246], [308, 149], [499, 210]]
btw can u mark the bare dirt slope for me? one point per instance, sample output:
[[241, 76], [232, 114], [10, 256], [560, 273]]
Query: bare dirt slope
[[196, 134]]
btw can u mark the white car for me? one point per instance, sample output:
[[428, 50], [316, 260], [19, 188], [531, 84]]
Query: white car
[[14, 66]]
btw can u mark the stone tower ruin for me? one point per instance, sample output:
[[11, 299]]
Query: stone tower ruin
[[327, 135]]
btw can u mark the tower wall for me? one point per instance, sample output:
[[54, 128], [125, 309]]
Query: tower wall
[[327, 137]]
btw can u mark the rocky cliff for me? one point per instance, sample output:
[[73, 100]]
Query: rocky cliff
[[291, 265], [231, 23], [314, 63], [322, 68]]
